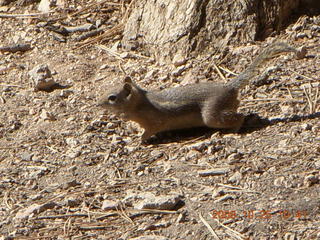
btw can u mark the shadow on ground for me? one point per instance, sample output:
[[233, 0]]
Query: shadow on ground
[[252, 123]]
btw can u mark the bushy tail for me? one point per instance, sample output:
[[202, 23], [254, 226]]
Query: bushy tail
[[267, 54]]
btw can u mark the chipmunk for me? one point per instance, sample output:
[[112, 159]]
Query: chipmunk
[[204, 104]]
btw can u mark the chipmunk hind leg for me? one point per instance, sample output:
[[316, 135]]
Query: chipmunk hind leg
[[222, 115]]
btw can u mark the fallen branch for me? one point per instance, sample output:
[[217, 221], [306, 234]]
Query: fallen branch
[[16, 48], [30, 15]]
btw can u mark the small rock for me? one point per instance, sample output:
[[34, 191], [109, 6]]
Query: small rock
[[36, 197], [311, 179], [71, 202], [213, 172], [103, 66], [301, 52], [218, 192], [45, 115], [182, 217], [297, 27], [42, 77], [178, 71], [149, 237], [151, 73], [44, 6], [132, 196], [110, 205], [193, 154], [155, 154], [126, 55], [306, 126], [72, 183], [225, 198], [25, 156], [234, 158], [160, 203], [34, 209], [280, 181], [301, 35], [73, 142], [289, 236], [66, 93], [199, 146], [178, 60], [317, 164], [236, 177]]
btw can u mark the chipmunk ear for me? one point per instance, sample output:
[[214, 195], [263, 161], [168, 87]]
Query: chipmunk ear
[[127, 79], [127, 89]]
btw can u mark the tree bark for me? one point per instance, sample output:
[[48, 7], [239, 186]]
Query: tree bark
[[166, 28]]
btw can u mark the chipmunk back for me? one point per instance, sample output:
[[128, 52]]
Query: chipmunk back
[[204, 104]]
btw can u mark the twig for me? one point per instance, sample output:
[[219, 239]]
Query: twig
[[107, 34], [16, 48], [301, 75], [122, 69], [112, 53], [30, 15], [90, 228], [228, 71], [289, 91], [219, 72], [88, 34], [123, 214], [62, 216], [106, 216], [209, 227], [81, 28], [66, 227], [2, 100], [236, 188], [308, 99], [231, 232], [316, 98], [269, 99], [9, 85]]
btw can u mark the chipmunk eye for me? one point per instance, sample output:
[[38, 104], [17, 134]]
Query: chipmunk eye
[[112, 98]]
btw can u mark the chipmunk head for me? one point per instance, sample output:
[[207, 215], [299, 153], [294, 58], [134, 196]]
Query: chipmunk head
[[122, 98]]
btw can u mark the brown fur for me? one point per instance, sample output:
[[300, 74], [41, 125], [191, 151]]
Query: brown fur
[[204, 104]]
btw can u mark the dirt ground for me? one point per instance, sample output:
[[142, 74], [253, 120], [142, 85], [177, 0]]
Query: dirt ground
[[63, 159]]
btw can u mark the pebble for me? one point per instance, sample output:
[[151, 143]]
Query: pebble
[[178, 60], [213, 172], [110, 205], [235, 178], [280, 181], [306, 126], [225, 198], [25, 156], [177, 72], [149, 237], [310, 180], [69, 184], [42, 77], [34, 209], [71, 202], [289, 236], [160, 202]]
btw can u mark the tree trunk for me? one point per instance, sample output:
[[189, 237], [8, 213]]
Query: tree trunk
[[166, 28]]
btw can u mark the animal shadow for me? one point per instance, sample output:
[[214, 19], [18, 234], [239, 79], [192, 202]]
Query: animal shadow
[[252, 123]]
